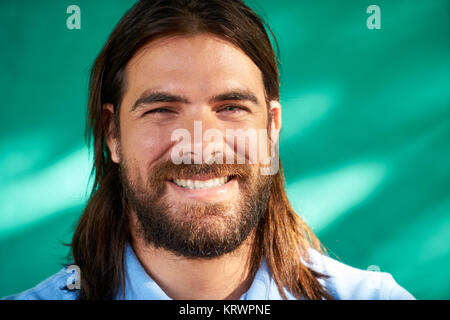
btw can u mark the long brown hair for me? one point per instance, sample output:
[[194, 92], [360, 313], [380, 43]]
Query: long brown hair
[[98, 243]]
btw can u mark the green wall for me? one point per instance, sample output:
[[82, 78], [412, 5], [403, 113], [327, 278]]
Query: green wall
[[365, 141]]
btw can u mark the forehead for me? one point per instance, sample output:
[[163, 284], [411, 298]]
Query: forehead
[[192, 65]]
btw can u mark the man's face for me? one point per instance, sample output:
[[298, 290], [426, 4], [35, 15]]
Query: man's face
[[196, 210]]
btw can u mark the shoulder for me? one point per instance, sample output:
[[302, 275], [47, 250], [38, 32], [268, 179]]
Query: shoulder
[[52, 288], [349, 283]]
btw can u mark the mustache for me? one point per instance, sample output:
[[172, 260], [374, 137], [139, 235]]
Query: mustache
[[168, 170]]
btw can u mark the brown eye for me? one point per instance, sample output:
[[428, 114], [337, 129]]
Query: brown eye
[[159, 111], [233, 109]]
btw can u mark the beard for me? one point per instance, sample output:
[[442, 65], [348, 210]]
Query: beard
[[195, 230]]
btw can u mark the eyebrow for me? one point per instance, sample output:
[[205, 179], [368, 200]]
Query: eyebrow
[[237, 94], [149, 97]]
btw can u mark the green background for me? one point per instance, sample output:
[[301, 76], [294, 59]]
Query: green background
[[365, 140]]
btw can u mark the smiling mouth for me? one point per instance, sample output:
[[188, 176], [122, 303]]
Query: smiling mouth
[[194, 184]]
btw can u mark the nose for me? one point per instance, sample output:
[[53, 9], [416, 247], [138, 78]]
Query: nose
[[203, 140]]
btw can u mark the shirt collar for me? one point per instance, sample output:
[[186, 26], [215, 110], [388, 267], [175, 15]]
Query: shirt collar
[[140, 286]]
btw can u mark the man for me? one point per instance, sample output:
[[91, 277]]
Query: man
[[171, 217]]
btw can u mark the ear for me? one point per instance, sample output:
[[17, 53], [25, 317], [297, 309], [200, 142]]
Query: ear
[[275, 125], [111, 132]]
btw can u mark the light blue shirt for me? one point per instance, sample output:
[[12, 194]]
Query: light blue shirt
[[345, 282]]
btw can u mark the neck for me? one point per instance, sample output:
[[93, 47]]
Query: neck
[[226, 277]]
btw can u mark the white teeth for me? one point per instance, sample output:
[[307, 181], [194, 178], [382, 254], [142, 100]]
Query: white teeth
[[198, 184]]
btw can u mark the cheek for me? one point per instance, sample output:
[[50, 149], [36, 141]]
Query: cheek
[[255, 145], [146, 145]]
